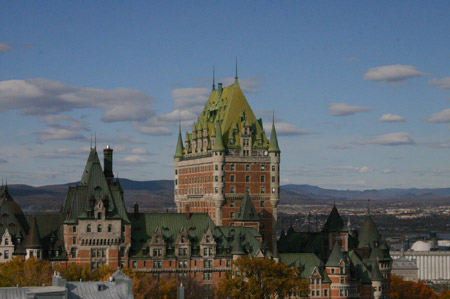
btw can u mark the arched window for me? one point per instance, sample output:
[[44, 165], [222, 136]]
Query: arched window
[[88, 229], [6, 241], [99, 216], [99, 228], [109, 228]]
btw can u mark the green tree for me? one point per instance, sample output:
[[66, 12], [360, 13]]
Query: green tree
[[261, 278]]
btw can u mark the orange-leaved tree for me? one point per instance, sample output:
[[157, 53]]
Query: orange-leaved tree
[[260, 278], [401, 289], [30, 272]]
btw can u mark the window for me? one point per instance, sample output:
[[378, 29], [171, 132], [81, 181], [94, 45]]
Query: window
[[247, 189], [6, 241], [182, 264], [232, 167], [73, 253], [205, 251], [273, 167], [99, 216], [208, 264], [6, 254], [232, 178], [332, 270], [247, 167], [232, 203], [263, 167], [103, 252], [99, 228], [263, 178], [261, 204], [273, 190], [74, 229], [93, 251], [232, 189], [157, 264], [273, 179], [216, 190], [325, 293], [109, 228], [231, 214], [216, 178], [263, 190], [134, 264], [247, 178], [74, 240], [123, 228], [342, 280], [216, 167], [88, 228], [122, 252], [207, 276]]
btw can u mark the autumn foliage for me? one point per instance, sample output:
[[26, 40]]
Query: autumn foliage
[[260, 278], [401, 289], [22, 272]]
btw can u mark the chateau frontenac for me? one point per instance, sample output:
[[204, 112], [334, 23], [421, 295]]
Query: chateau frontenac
[[227, 191]]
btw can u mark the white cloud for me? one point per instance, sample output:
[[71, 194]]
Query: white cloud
[[386, 171], [443, 83], [286, 129], [154, 131], [4, 47], [59, 134], [342, 109], [139, 151], [65, 152], [388, 117], [392, 74], [440, 117], [136, 159], [392, 139], [45, 97], [362, 169]]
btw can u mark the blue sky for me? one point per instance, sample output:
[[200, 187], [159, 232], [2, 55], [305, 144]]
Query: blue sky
[[361, 89]]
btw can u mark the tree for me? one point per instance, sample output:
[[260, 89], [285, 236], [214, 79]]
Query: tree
[[193, 289], [30, 272], [409, 289], [260, 278]]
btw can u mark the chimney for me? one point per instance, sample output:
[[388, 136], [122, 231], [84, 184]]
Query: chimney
[[136, 210], [219, 89], [107, 162]]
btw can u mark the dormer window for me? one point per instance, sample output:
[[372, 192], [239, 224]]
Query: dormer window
[[207, 239], [99, 216], [99, 228], [88, 228], [6, 241], [182, 239]]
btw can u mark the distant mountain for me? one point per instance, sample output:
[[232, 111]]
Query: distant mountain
[[158, 195]]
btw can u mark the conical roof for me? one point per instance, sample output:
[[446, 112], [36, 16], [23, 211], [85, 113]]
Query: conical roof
[[368, 233], [33, 239], [218, 143], [247, 211], [180, 149], [334, 222], [336, 257], [273, 145]]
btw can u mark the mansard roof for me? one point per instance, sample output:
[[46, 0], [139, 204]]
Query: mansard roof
[[94, 184], [33, 239], [247, 211], [145, 225], [306, 262], [334, 222]]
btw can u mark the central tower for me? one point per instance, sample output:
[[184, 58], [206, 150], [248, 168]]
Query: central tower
[[226, 157]]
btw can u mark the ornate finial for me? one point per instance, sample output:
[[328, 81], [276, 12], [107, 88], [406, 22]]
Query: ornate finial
[[236, 77], [95, 140], [91, 139], [214, 79], [334, 202]]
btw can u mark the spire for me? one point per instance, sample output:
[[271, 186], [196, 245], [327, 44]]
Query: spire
[[236, 76], [33, 240], [214, 80], [247, 211], [273, 145], [218, 143], [180, 149]]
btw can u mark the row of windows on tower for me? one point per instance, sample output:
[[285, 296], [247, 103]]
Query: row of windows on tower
[[203, 168], [99, 228], [208, 190], [208, 179]]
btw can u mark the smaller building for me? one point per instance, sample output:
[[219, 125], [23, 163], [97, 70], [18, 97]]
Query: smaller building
[[405, 268], [118, 286]]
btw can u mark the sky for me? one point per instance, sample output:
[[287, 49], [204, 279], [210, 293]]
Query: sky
[[360, 89]]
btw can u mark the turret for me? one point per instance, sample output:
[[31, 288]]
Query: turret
[[179, 151]]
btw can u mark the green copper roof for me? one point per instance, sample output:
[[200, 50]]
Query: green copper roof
[[362, 271], [247, 210], [306, 262], [273, 146], [336, 257], [237, 247], [180, 148], [94, 184], [230, 107], [33, 239], [218, 143], [375, 274], [334, 222], [368, 233]]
